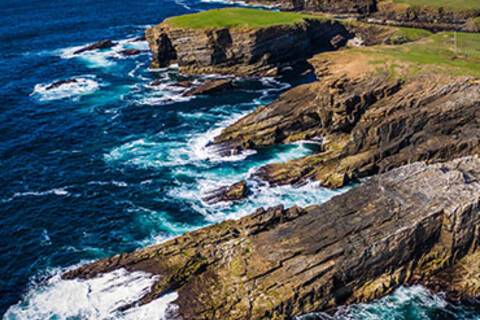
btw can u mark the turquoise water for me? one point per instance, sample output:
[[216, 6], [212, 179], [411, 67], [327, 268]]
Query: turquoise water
[[110, 163]]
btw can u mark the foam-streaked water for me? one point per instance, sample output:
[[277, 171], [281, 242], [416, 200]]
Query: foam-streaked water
[[109, 162]]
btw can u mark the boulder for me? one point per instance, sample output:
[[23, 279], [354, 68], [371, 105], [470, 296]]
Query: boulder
[[235, 192], [211, 87], [130, 52]]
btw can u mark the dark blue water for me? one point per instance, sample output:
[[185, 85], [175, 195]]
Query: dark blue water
[[110, 163]]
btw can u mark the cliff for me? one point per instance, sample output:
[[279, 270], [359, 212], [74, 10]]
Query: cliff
[[416, 224], [244, 42], [373, 110], [433, 15]]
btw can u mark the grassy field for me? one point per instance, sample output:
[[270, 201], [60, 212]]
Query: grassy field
[[236, 17], [451, 4], [403, 35], [437, 52]]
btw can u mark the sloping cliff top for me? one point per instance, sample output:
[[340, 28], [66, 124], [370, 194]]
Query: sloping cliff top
[[402, 227], [237, 18]]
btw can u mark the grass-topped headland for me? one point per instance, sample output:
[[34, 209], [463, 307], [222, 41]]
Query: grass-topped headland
[[237, 17], [440, 53]]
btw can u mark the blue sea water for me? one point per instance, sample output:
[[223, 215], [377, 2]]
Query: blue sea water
[[110, 163]]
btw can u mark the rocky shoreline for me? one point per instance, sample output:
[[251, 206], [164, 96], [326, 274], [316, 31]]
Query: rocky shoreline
[[410, 127], [416, 224]]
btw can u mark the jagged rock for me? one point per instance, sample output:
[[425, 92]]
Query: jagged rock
[[410, 225], [237, 191], [103, 44], [211, 87], [59, 83], [242, 51]]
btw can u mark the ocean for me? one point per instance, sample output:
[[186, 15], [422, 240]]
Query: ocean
[[108, 162]]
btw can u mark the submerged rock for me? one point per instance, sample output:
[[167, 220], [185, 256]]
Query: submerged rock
[[410, 225], [103, 44], [237, 191], [131, 52], [59, 83]]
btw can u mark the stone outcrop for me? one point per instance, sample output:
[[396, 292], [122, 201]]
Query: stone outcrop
[[102, 44], [416, 224], [369, 122], [211, 87], [243, 51], [237, 191]]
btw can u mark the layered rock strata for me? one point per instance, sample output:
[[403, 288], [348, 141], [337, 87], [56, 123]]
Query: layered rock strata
[[369, 121], [410, 225], [387, 12], [242, 51]]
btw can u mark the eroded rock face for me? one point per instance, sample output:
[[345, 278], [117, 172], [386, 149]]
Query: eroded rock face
[[260, 51], [406, 226], [369, 123], [428, 17]]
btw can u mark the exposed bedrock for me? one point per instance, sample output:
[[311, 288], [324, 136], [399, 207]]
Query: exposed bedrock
[[429, 17], [433, 17], [369, 123], [416, 224], [242, 51]]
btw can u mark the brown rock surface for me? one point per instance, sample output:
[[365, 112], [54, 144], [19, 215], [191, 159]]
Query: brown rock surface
[[241, 51], [406, 226], [237, 191], [369, 121]]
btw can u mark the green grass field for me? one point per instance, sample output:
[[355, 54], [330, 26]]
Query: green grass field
[[437, 52], [237, 18], [451, 4]]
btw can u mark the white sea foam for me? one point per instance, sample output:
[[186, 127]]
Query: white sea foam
[[405, 303], [101, 58], [241, 3], [79, 86], [97, 298], [55, 191]]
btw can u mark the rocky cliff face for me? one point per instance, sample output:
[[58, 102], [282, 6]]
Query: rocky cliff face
[[242, 51], [416, 224], [388, 12], [368, 121], [429, 17]]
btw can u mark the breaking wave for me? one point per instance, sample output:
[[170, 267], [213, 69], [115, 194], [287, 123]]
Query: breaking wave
[[70, 88], [97, 298]]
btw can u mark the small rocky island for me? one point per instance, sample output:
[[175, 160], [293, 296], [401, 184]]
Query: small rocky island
[[395, 109]]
